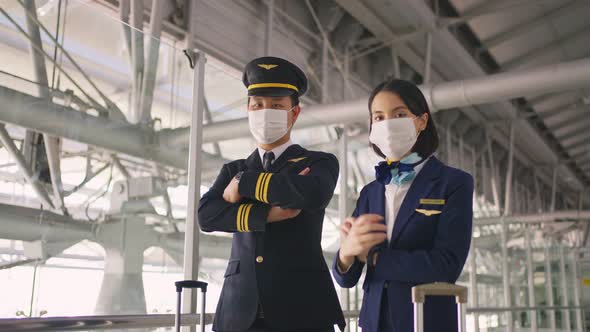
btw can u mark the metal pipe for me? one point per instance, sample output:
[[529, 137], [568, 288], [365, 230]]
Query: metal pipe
[[151, 67], [395, 63], [566, 321], [325, 71], [549, 289], [191, 238], [40, 115], [530, 278], [22, 164], [494, 177], [509, 172], [428, 60], [554, 189], [498, 87], [270, 6]]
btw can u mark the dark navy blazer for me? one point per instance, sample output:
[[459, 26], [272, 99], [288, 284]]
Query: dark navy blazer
[[423, 249]]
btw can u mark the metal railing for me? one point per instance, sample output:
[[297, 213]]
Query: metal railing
[[91, 323], [111, 322]]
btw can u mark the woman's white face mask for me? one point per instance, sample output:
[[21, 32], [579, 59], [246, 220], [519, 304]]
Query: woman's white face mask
[[269, 125], [394, 137]]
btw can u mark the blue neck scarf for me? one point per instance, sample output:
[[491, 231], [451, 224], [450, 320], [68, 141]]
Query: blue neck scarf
[[398, 172]]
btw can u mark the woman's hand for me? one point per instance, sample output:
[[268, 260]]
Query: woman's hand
[[359, 236]]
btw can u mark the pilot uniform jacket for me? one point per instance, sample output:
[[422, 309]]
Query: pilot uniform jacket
[[279, 266], [430, 242]]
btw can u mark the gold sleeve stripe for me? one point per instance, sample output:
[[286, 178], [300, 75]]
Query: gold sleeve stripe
[[258, 185], [265, 192], [239, 218], [246, 215]]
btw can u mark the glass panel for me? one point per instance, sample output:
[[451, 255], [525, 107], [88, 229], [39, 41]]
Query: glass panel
[[115, 246]]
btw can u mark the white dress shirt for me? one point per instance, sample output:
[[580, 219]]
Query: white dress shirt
[[394, 197], [278, 151]]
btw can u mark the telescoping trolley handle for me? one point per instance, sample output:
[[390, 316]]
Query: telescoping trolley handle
[[190, 284], [420, 292]]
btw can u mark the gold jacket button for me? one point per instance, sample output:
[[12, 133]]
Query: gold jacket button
[[259, 259]]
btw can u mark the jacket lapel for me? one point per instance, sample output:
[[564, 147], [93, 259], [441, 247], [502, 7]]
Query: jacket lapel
[[253, 162], [292, 152], [421, 187]]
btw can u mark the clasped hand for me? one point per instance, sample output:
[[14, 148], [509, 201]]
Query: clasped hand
[[358, 236]]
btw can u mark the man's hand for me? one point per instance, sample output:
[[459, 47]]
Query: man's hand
[[277, 213], [231, 193], [359, 236]]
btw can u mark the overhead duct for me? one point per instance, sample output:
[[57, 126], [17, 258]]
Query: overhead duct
[[39, 115], [440, 96]]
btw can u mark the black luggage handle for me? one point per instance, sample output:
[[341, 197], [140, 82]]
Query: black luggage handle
[[180, 285], [191, 284]]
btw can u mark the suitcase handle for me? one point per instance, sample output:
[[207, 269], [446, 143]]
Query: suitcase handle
[[180, 285], [191, 284], [420, 292], [439, 289]]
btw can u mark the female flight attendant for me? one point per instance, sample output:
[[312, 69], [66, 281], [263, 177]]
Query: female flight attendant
[[412, 225]]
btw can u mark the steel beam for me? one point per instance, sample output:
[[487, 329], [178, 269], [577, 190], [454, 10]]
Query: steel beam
[[509, 172], [545, 49], [22, 165], [569, 122], [160, 10], [572, 134], [565, 111], [270, 14], [530, 25], [51, 144], [536, 218], [137, 58]]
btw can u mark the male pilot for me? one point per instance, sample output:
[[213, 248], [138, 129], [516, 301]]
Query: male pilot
[[274, 202]]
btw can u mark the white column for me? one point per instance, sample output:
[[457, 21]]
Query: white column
[[549, 289], [566, 321], [191, 238], [530, 278], [577, 295]]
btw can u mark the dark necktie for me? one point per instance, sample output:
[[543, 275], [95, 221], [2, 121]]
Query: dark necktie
[[267, 160]]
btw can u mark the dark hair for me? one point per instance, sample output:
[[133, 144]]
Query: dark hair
[[427, 141], [294, 99]]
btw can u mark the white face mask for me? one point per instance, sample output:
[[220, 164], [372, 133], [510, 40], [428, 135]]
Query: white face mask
[[394, 137], [268, 125]]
